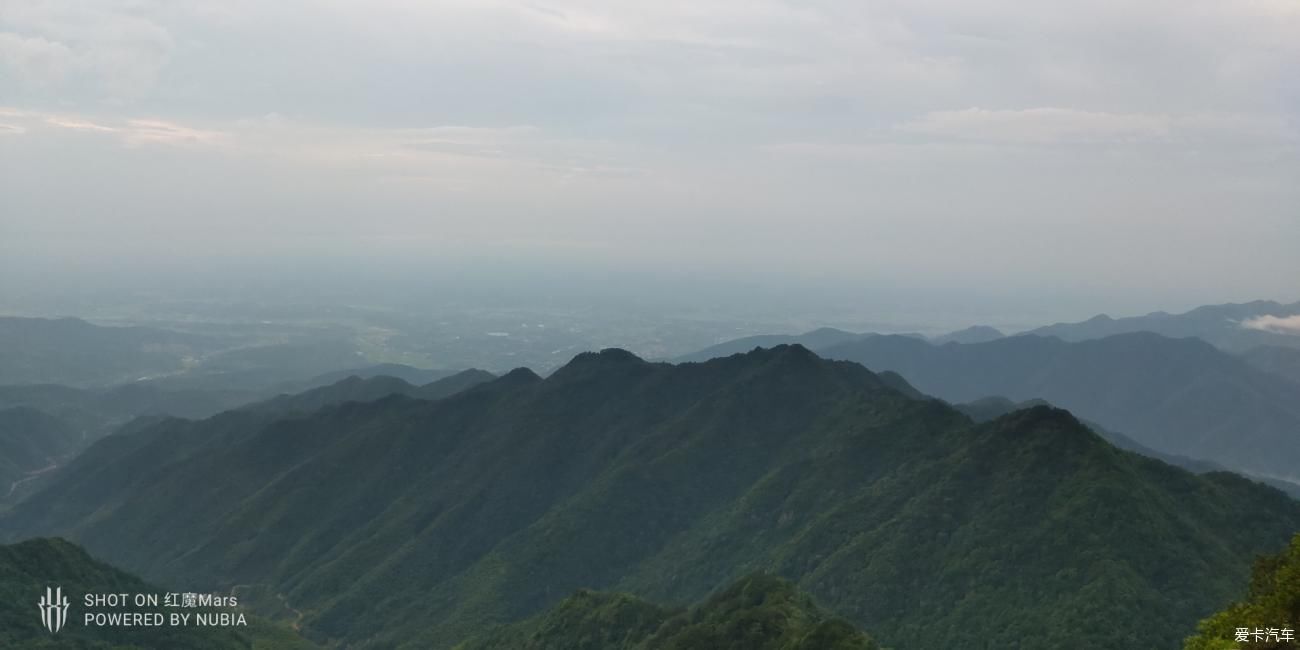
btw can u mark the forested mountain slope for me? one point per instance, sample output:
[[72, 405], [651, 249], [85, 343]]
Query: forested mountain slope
[[420, 523]]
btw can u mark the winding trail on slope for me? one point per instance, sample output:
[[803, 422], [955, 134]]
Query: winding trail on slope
[[296, 624], [32, 475]]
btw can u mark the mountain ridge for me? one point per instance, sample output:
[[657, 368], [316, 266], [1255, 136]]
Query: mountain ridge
[[1177, 396], [668, 481]]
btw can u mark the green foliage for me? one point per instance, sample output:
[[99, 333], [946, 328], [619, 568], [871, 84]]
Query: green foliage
[[26, 569], [1273, 602], [416, 524], [758, 612]]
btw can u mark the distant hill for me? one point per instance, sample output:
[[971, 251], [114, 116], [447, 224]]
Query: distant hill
[[757, 612], [358, 389], [95, 412], [411, 523], [1177, 396], [991, 408], [1281, 361], [31, 441], [408, 374], [818, 338], [73, 352], [973, 334], [28, 568], [266, 367], [1220, 325]]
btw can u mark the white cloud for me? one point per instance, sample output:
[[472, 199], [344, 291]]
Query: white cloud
[[1039, 125], [78, 124], [113, 51], [35, 59], [1275, 324], [168, 133], [130, 132], [1056, 125]]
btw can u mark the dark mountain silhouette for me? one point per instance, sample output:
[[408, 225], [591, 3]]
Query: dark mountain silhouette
[[357, 389], [1177, 396], [95, 412], [973, 334], [413, 523], [813, 340], [409, 374], [1220, 325], [31, 441]]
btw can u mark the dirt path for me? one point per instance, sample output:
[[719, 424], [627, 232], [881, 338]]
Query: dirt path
[[297, 621], [296, 624], [30, 476]]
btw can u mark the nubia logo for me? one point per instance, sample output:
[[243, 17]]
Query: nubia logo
[[54, 609]]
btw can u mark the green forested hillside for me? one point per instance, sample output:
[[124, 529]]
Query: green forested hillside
[[26, 569], [757, 612], [409, 523], [1273, 604]]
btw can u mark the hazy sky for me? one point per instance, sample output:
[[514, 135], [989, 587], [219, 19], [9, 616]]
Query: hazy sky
[[1110, 152]]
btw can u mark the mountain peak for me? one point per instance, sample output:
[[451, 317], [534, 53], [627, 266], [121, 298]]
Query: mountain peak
[[972, 334], [794, 350], [1043, 414], [1045, 423], [606, 359], [520, 375], [793, 354]]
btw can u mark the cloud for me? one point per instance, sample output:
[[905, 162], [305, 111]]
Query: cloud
[[1275, 324], [1058, 126], [131, 132], [1039, 125], [78, 124], [35, 59], [168, 133], [113, 51]]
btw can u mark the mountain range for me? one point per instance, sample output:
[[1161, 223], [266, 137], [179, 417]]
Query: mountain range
[[814, 340], [1177, 396], [408, 522], [1231, 327]]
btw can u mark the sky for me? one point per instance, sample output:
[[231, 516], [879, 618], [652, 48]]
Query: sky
[[1087, 156]]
